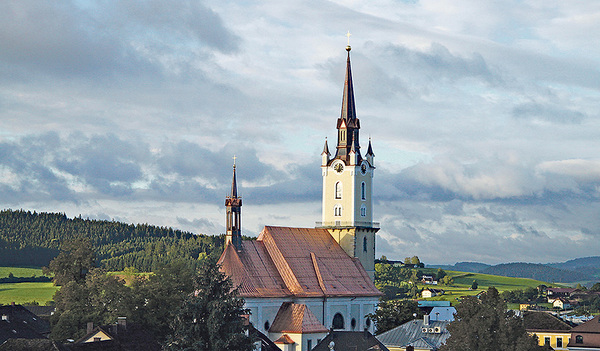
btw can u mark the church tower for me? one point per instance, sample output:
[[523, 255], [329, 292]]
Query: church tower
[[347, 185], [233, 205]]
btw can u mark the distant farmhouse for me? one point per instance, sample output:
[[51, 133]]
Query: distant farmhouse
[[301, 283]]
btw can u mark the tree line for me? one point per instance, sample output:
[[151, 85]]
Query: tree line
[[183, 307], [34, 239]]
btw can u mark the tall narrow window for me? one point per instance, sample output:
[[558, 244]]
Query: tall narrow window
[[337, 210], [365, 244], [363, 191], [363, 211], [338, 190], [559, 342]]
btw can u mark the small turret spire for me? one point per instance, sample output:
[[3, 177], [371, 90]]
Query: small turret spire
[[370, 149], [233, 207], [325, 148], [234, 181]]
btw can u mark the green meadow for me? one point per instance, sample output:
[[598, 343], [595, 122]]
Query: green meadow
[[21, 293], [20, 271], [463, 281]]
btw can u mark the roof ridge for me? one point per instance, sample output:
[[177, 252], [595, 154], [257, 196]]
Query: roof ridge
[[313, 258]]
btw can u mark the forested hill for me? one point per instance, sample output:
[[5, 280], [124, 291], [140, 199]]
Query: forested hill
[[33, 239]]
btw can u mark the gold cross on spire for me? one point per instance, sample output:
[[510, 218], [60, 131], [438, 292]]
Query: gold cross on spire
[[234, 158], [348, 35]]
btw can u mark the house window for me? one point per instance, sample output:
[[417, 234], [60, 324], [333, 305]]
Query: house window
[[363, 191], [337, 210], [308, 344], [365, 244], [96, 339], [338, 321], [338, 190], [547, 341], [559, 341], [267, 325], [579, 339], [363, 211]]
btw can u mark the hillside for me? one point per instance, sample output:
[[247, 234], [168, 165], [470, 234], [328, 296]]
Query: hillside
[[536, 271], [33, 239], [474, 267], [587, 265]]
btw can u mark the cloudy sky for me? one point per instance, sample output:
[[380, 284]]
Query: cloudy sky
[[484, 116]]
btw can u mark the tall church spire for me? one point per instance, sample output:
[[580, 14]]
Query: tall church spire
[[233, 205], [348, 124]]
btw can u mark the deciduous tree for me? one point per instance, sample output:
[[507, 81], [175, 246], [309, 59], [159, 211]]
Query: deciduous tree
[[390, 314], [211, 318], [485, 324]]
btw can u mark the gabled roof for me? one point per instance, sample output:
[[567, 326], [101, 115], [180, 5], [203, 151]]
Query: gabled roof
[[296, 318], [544, 321], [19, 323], [591, 326], [300, 262], [350, 340], [411, 333], [24, 316]]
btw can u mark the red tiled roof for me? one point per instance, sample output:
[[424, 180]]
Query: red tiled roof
[[296, 318], [591, 326], [284, 339], [300, 262]]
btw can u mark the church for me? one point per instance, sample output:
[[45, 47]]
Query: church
[[300, 283]]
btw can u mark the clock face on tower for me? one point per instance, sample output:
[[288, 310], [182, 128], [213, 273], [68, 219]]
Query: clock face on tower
[[338, 167]]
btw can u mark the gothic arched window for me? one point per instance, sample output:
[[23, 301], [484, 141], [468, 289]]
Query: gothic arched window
[[363, 191], [338, 321], [363, 211], [338, 190], [365, 244]]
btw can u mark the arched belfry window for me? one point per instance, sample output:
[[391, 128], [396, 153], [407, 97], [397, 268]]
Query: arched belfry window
[[363, 191], [363, 211], [338, 321], [337, 210], [338, 190]]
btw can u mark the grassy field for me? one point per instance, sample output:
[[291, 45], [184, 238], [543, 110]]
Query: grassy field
[[25, 292], [463, 281], [20, 271], [21, 293]]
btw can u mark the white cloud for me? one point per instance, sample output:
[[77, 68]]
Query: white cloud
[[484, 116]]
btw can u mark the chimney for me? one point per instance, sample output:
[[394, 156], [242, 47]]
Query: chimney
[[90, 327], [426, 319], [122, 323], [12, 303]]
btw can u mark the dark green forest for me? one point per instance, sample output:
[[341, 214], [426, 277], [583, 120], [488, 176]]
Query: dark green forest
[[34, 239]]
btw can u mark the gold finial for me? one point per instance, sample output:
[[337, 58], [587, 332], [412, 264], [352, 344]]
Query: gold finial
[[234, 158], [348, 35]]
